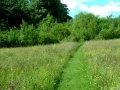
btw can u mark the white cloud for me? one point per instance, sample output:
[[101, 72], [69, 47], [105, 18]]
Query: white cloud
[[103, 10], [115, 3], [70, 3], [73, 3]]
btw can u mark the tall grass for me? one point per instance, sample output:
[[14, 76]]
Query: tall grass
[[95, 66], [33, 68], [103, 61]]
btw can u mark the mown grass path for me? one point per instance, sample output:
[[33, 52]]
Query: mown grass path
[[75, 75]]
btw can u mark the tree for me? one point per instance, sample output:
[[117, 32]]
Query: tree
[[12, 12], [41, 8], [85, 26]]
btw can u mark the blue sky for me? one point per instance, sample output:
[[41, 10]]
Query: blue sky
[[101, 8]]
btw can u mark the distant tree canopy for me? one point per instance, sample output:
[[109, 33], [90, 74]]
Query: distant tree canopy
[[41, 25], [87, 26], [12, 12]]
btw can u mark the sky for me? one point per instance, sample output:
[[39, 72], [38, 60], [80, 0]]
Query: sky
[[101, 8]]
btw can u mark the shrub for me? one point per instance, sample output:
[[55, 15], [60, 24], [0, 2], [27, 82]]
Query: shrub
[[84, 26], [60, 31], [46, 32], [28, 35], [110, 33], [24, 37]]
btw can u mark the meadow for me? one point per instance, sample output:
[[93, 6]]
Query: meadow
[[43, 48], [95, 66], [103, 61], [35, 67]]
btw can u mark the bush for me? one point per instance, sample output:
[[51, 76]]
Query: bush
[[23, 37], [28, 35], [84, 26], [60, 31], [110, 33], [47, 32], [51, 31]]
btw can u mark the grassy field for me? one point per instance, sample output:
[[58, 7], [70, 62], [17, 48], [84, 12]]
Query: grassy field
[[95, 66], [103, 60], [33, 68]]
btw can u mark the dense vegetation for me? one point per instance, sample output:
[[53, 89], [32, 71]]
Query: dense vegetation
[[34, 68], [86, 26], [46, 32], [95, 66], [12, 12], [33, 22]]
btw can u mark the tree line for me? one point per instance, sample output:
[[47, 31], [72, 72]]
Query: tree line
[[34, 22], [87, 26], [13, 12]]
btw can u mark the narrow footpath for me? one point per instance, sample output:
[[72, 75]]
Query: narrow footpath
[[75, 75]]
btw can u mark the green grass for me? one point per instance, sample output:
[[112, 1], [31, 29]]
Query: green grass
[[95, 66], [103, 60], [33, 68], [75, 75]]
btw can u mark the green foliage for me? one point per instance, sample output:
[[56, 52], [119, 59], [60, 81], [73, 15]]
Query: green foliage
[[47, 32], [32, 11], [84, 27], [110, 30], [27, 35], [51, 32], [60, 31], [58, 10], [24, 37], [12, 13]]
